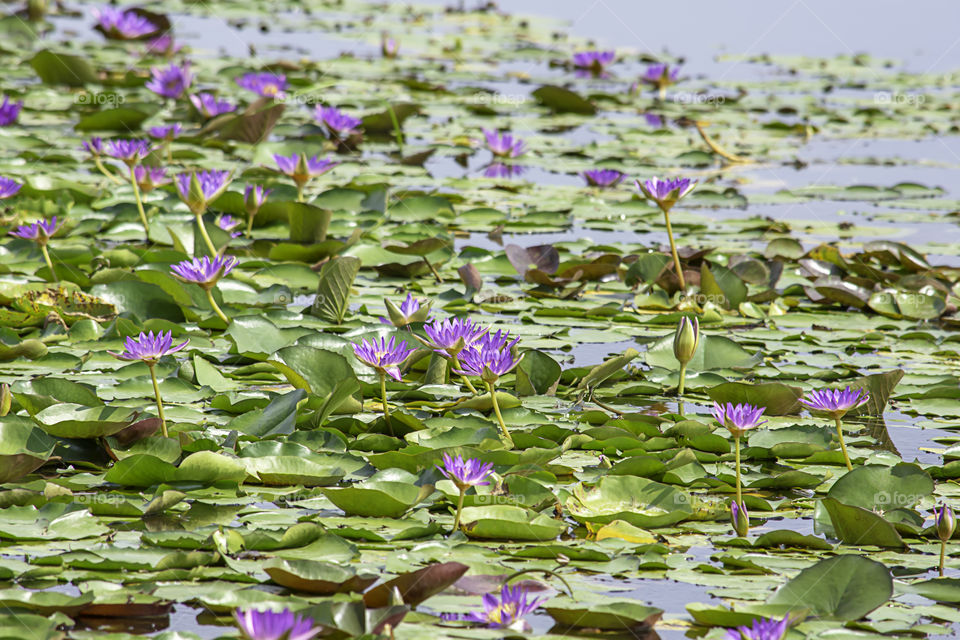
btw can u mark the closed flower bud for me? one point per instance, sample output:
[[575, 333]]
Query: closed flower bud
[[946, 523], [740, 519], [686, 340]]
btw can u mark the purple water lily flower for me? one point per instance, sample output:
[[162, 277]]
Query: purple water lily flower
[[501, 170], [666, 192], [603, 178], [253, 198], [266, 84], [129, 151], [451, 336], [168, 132], [655, 121], [505, 611], [228, 223], [503, 145], [945, 522], [149, 178], [9, 111], [489, 357], [275, 625], [385, 357], [834, 401], [122, 24], [301, 168], [389, 47], [660, 74], [738, 418], [163, 45], [593, 61], [170, 82], [761, 629], [201, 188], [469, 473], [410, 310], [208, 106], [93, 146], [204, 271], [148, 347], [8, 188], [338, 124], [38, 231], [740, 519]]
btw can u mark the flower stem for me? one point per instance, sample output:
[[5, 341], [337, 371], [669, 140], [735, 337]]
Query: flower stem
[[496, 410], [249, 224], [683, 378], [216, 307], [156, 393], [383, 397], [843, 446], [433, 269], [206, 236], [943, 553], [299, 192], [46, 258], [463, 491], [455, 364], [662, 92], [736, 445], [136, 195], [673, 250], [104, 170]]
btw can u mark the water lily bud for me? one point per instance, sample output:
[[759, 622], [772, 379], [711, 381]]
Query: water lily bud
[[740, 519], [6, 398], [946, 523], [196, 201], [686, 339], [301, 174]]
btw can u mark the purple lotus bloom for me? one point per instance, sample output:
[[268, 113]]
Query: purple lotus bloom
[[666, 193], [451, 336], [208, 106], [407, 312], [654, 120], [8, 188], [163, 45], [149, 178], [275, 625], [170, 82], [385, 357], [389, 47], [337, 123], [204, 271], [489, 357], [503, 145], [739, 418], [501, 170], [148, 347], [168, 132], [469, 473], [39, 231], [660, 75], [129, 151], [593, 61], [834, 401], [93, 146], [945, 522], [122, 24], [228, 223], [268, 85], [761, 629], [502, 612], [210, 184], [603, 178], [9, 111], [301, 169], [253, 198]]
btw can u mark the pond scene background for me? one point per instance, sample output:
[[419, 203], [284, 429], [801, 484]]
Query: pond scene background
[[269, 457]]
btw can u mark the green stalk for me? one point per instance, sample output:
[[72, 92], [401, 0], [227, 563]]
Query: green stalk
[[136, 195], [206, 236], [943, 554], [496, 410], [299, 192], [455, 364], [463, 491], [843, 446], [383, 396], [736, 445], [433, 269], [397, 131], [673, 250], [104, 171], [156, 393], [215, 306], [46, 258], [250, 224], [683, 378]]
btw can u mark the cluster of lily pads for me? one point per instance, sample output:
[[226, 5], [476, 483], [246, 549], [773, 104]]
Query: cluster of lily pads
[[391, 414]]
